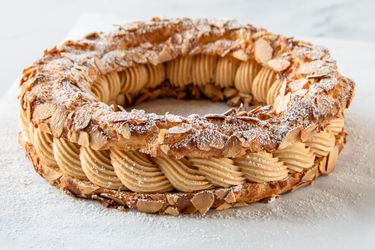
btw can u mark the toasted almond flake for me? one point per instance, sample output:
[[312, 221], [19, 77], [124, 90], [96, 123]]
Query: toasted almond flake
[[43, 112], [221, 193], [45, 128], [83, 139], [231, 197], [172, 211], [311, 67], [241, 55], [291, 137], [263, 51], [203, 201], [164, 148], [172, 199], [278, 64], [223, 206], [97, 140], [281, 103], [323, 165], [240, 204], [161, 136], [124, 131], [297, 84], [309, 175], [149, 206], [57, 122], [308, 132], [332, 158]]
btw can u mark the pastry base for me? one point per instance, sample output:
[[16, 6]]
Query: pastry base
[[175, 203]]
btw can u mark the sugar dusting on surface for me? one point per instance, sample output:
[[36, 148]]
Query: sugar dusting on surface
[[37, 215]]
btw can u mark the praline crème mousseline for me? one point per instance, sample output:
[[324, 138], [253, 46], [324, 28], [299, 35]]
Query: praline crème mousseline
[[80, 138]]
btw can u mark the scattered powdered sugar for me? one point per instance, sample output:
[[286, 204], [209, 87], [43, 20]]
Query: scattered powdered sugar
[[36, 215]]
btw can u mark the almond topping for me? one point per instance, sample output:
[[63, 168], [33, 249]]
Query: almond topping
[[263, 51], [203, 201], [278, 64], [149, 206]]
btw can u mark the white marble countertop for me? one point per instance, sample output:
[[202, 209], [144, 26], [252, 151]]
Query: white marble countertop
[[29, 27]]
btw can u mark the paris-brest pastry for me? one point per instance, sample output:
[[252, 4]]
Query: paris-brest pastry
[[285, 129]]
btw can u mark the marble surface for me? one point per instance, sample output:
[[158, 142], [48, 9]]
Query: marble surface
[[29, 27]]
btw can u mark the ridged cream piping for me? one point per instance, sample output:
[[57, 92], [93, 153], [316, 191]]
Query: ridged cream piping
[[98, 168], [203, 69], [133, 79], [156, 75], [138, 173], [219, 171], [262, 83], [43, 147], [274, 91], [226, 71], [179, 71], [182, 176], [296, 157], [107, 87], [24, 124], [336, 126], [245, 75], [262, 167], [321, 143], [67, 157]]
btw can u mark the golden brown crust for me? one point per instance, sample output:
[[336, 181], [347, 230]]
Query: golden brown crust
[[55, 91], [189, 202], [75, 93]]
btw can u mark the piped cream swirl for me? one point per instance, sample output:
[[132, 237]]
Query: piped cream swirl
[[203, 69], [67, 157], [156, 75], [262, 167], [321, 143], [226, 71], [182, 175], [43, 147], [133, 79], [107, 87], [245, 75], [179, 71], [296, 157], [262, 83], [219, 171], [138, 173], [335, 126], [274, 91], [98, 168]]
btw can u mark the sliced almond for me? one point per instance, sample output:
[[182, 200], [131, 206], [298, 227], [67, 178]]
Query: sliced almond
[[278, 64], [42, 112], [332, 159], [149, 206], [203, 201], [172, 211], [124, 131], [291, 137], [297, 84], [224, 206], [231, 197], [263, 51], [97, 140], [57, 122], [309, 175], [221, 193], [241, 55], [83, 139], [281, 103], [307, 132]]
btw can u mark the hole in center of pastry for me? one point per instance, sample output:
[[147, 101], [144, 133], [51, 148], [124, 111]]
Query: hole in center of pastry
[[182, 107]]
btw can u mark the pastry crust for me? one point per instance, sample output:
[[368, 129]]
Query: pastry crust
[[80, 138]]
